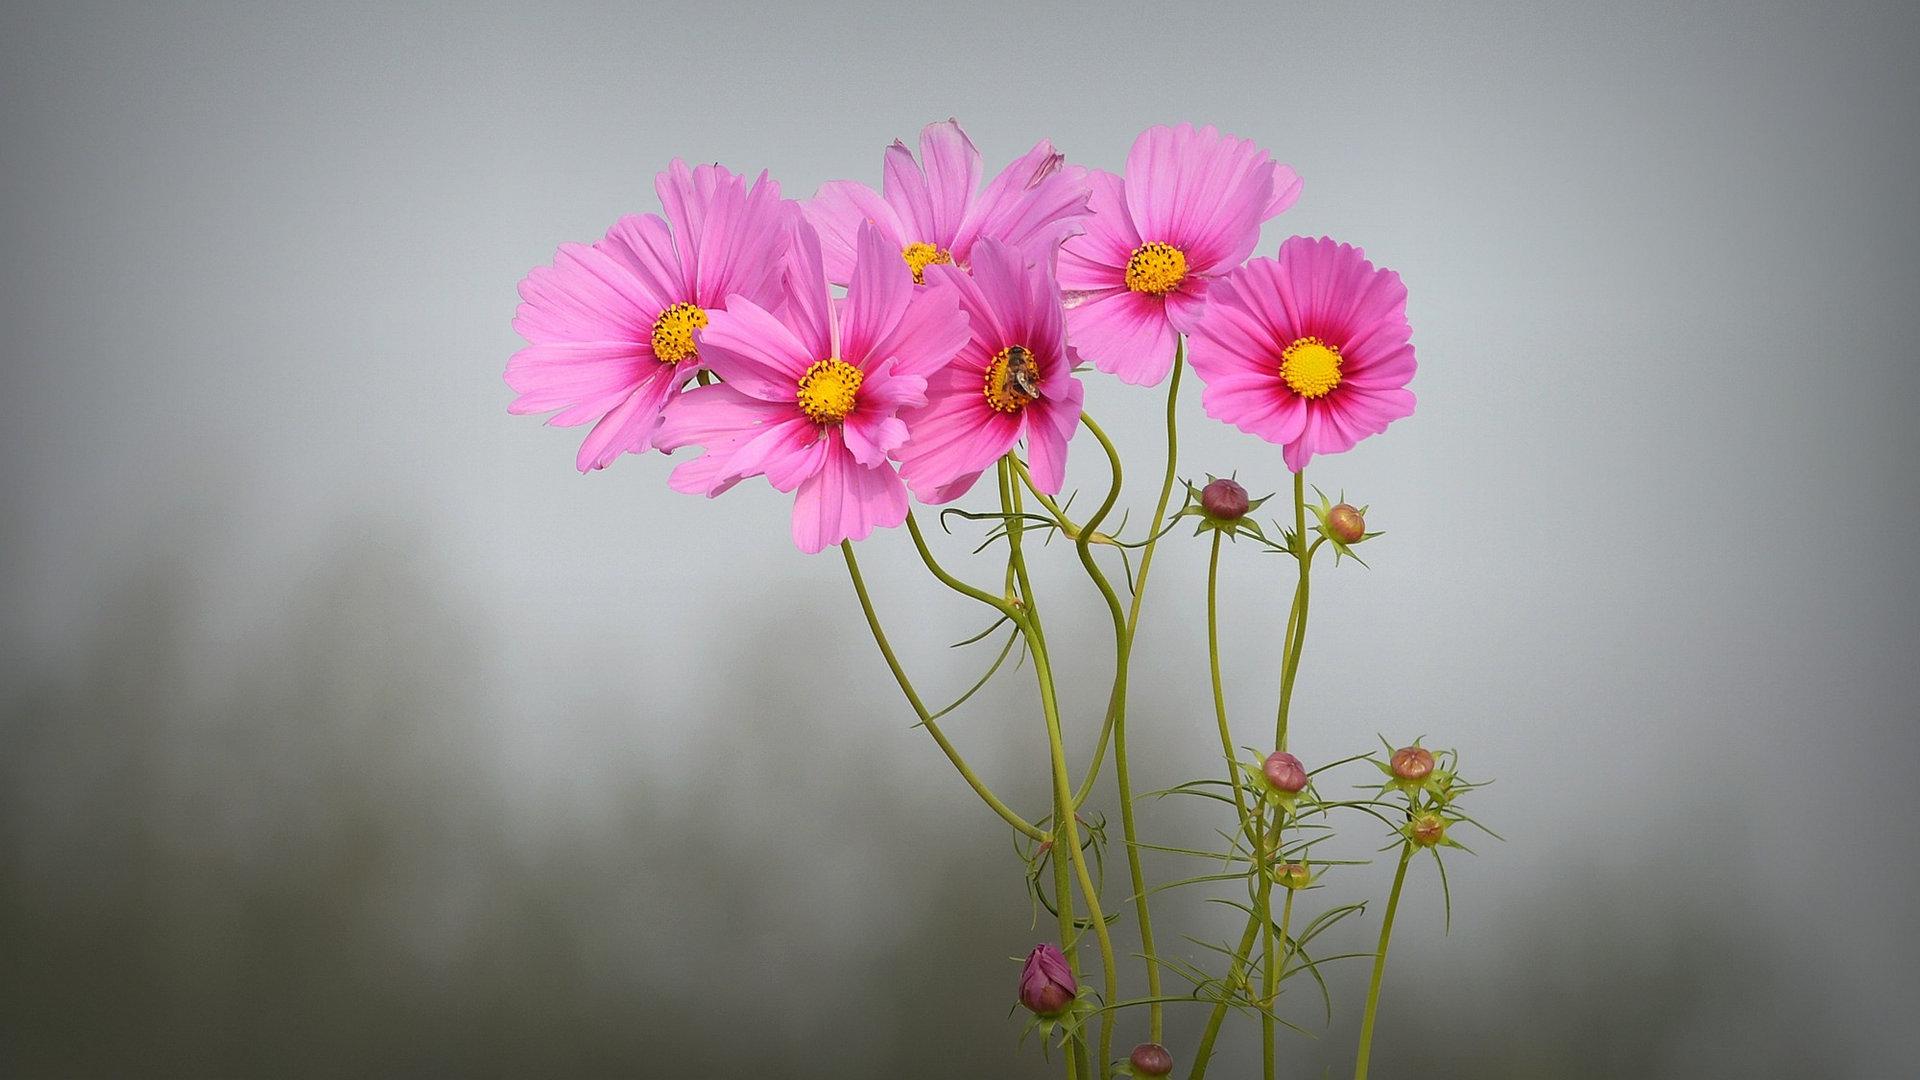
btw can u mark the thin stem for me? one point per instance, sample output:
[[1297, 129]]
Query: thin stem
[[926, 555], [1204, 1052], [1065, 821], [1297, 624], [1219, 691], [1380, 966], [920, 709]]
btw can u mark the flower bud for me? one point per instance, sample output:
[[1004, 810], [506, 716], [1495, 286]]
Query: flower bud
[[1346, 525], [1293, 875], [1225, 500], [1047, 985], [1285, 772], [1150, 1059], [1427, 829], [1412, 762]]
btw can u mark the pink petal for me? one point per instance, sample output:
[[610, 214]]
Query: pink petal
[[837, 212], [877, 298], [1097, 258], [1033, 204], [953, 174], [845, 500], [905, 189], [1125, 334], [755, 352], [1051, 424], [584, 377], [710, 415], [628, 428]]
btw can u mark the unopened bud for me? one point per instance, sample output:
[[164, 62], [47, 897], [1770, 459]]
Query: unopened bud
[[1225, 500], [1412, 762], [1047, 985], [1150, 1059], [1293, 876], [1285, 772], [1346, 524], [1428, 829]]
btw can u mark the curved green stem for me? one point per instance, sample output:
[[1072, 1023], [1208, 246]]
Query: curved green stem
[[920, 709], [926, 555], [1066, 823], [1219, 691], [1203, 1053], [1297, 624], [1380, 966]]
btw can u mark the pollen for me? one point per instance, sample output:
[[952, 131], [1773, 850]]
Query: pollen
[[673, 332], [1156, 268], [828, 390], [1003, 388], [920, 255], [1310, 367]]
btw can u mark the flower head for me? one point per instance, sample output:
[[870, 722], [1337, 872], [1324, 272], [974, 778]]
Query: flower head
[[610, 327], [1012, 380], [1188, 210], [810, 395], [1150, 1059], [1047, 985], [1285, 772], [1223, 498], [1311, 351], [930, 214], [1411, 763]]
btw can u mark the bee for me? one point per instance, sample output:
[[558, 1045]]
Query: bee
[[1023, 372]]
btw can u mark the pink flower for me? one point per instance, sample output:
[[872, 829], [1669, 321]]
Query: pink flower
[[1047, 985], [610, 328], [1013, 379], [930, 213], [810, 394], [1189, 210], [1311, 351]]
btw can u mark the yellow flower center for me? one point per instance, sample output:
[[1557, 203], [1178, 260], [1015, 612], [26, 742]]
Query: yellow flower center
[[1013, 380], [1156, 268], [828, 389], [1310, 367], [673, 332], [919, 256]]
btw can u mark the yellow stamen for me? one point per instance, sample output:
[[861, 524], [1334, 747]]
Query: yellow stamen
[[1156, 268], [828, 389], [919, 256], [1002, 390], [673, 332], [1310, 367]]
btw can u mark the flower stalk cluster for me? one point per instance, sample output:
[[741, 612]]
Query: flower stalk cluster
[[931, 343]]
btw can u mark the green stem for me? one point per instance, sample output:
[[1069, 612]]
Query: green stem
[[920, 709], [1203, 1053], [1219, 691], [1297, 623], [1380, 966], [1065, 820]]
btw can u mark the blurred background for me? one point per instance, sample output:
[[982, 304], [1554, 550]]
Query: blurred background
[[345, 730]]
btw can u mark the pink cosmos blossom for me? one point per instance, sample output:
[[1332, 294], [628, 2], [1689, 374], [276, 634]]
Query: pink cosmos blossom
[[1311, 351], [610, 327], [931, 214], [1188, 211], [811, 390], [1047, 985], [1013, 379]]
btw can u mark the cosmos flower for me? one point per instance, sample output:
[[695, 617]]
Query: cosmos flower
[[931, 213], [1311, 351], [1013, 379], [1047, 985], [809, 395], [1188, 211], [610, 327]]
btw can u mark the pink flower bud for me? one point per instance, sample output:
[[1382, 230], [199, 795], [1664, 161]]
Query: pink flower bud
[[1225, 500], [1285, 772], [1293, 876], [1047, 985], [1428, 829], [1412, 762], [1150, 1059], [1346, 524]]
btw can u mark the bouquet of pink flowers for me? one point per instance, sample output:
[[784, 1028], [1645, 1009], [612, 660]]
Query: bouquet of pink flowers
[[866, 350]]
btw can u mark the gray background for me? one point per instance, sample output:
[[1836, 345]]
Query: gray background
[[344, 729]]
